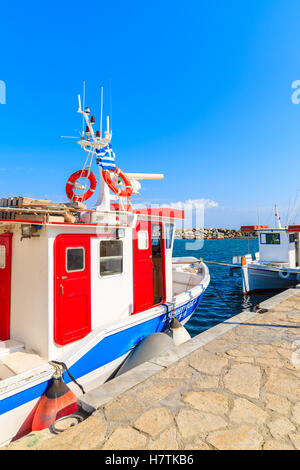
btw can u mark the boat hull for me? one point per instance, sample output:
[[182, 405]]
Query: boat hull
[[92, 368], [258, 279]]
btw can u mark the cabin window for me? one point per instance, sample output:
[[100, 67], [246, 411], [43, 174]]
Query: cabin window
[[75, 261], [2, 257], [111, 257], [270, 238], [156, 234], [292, 238], [169, 229], [143, 240]]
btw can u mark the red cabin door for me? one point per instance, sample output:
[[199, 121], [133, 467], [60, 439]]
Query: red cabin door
[[142, 267], [148, 271], [72, 288], [5, 275]]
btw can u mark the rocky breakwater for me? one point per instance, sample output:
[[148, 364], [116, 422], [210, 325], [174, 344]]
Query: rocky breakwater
[[211, 233]]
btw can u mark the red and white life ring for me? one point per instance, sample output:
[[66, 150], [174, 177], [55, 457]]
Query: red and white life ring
[[127, 192], [73, 178]]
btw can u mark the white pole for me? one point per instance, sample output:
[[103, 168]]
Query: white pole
[[277, 216], [145, 176], [107, 125], [83, 102], [101, 112]]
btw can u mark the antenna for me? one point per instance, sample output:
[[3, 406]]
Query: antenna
[[294, 208], [277, 216], [110, 102], [107, 125], [83, 102], [101, 112]]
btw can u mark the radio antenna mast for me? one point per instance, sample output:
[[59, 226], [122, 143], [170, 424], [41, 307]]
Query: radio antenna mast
[[83, 102], [101, 112], [110, 104], [277, 216]]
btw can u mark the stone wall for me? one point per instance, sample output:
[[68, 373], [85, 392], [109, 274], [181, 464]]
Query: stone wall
[[211, 233]]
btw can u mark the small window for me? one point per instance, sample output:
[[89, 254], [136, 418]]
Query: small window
[[75, 260], [292, 238], [270, 238], [169, 228], [2, 257], [143, 240], [155, 234], [111, 257], [263, 238]]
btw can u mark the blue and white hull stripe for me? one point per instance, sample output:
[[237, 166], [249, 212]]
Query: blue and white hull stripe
[[107, 350]]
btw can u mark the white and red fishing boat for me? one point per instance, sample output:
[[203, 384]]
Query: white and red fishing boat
[[83, 286], [276, 266]]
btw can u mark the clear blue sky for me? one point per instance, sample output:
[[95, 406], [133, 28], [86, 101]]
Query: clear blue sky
[[201, 91]]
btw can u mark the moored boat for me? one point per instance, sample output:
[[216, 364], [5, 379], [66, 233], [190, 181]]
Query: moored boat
[[79, 287], [276, 265]]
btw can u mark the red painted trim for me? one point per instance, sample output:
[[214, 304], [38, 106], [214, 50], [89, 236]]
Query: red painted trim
[[5, 280], [251, 228], [164, 262], [294, 228], [136, 263], [61, 336]]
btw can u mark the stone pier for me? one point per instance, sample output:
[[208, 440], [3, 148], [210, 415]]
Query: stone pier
[[235, 386]]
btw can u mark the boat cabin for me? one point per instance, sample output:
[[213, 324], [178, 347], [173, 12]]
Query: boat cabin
[[81, 287], [60, 280], [278, 246]]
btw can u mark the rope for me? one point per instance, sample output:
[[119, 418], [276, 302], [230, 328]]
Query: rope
[[221, 264], [69, 374], [222, 298], [91, 156]]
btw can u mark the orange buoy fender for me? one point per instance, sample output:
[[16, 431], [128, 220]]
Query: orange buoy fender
[[127, 192], [71, 181], [57, 401]]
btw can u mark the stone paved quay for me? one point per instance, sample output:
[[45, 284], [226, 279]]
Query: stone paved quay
[[235, 386]]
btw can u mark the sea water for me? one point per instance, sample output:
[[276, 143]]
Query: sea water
[[224, 296]]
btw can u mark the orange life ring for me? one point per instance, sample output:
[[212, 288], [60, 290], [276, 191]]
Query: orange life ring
[[127, 192], [70, 185]]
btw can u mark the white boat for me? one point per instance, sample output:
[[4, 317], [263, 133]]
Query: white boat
[[276, 265], [83, 286]]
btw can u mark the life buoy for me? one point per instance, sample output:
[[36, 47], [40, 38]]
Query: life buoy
[[284, 274], [71, 181], [127, 192]]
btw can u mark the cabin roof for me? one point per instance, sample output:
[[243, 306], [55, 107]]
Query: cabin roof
[[294, 228], [163, 212]]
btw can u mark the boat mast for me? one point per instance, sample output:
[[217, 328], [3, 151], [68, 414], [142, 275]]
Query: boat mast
[[91, 142], [277, 216]]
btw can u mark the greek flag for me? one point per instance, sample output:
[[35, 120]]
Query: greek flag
[[106, 158]]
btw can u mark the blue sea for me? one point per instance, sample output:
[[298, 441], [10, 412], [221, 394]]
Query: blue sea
[[223, 297]]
